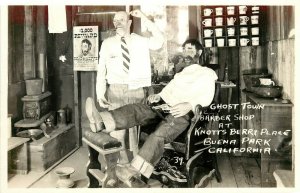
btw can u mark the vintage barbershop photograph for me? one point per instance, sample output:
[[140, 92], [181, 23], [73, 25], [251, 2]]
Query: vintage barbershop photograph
[[148, 96]]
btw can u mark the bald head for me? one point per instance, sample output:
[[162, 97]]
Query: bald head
[[121, 14]]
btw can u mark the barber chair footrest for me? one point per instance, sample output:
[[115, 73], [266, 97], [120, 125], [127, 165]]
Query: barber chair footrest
[[102, 140], [109, 148]]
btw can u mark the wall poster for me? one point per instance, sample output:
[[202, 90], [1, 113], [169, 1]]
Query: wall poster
[[85, 48]]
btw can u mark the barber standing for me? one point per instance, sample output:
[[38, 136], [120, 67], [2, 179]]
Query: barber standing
[[124, 65]]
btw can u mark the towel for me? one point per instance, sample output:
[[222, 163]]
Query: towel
[[57, 19]]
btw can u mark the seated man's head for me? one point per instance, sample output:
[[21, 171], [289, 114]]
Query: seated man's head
[[122, 23], [86, 46], [192, 50]]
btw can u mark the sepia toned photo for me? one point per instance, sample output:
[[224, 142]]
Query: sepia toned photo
[[148, 96]]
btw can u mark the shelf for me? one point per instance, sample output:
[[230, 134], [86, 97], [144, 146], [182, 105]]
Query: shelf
[[28, 123], [249, 10], [236, 25]]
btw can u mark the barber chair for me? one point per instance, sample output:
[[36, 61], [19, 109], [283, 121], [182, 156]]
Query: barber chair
[[185, 162]]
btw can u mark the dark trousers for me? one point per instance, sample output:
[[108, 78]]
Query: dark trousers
[[165, 132]]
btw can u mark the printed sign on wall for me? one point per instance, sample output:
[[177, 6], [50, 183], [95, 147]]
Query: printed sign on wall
[[85, 48]]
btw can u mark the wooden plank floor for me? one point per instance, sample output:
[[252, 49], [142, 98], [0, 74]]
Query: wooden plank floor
[[225, 167], [237, 172], [246, 172]]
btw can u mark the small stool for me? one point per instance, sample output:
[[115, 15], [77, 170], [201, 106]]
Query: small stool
[[109, 147]]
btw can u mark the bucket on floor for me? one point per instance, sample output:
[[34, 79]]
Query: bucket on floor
[[34, 86]]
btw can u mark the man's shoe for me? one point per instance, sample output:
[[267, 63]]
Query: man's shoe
[[96, 122], [172, 172], [130, 176]]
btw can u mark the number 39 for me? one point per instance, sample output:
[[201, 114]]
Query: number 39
[[179, 160]]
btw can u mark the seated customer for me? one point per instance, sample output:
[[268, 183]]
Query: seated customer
[[193, 85]]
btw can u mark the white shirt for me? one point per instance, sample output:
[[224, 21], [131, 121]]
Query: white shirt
[[194, 84], [110, 68]]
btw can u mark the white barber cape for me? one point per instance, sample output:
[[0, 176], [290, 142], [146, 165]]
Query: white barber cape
[[194, 84]]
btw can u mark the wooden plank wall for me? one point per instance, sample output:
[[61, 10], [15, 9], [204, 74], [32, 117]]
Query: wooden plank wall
[[16, 84], [16, 38], [280, 47], [16, 60], [280, 21], [281, 63], [281, 53], [193, 29]]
